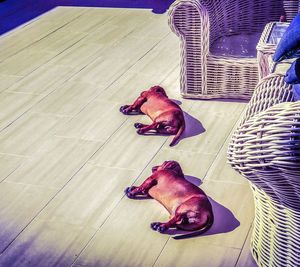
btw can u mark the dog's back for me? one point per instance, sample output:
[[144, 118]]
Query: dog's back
[[157, 104], [172, 190]]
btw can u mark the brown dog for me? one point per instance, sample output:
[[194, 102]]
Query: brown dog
[[187, 204], [166, 115]]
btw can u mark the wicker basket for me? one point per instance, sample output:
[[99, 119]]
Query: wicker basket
[[265, 149], [200, 23]]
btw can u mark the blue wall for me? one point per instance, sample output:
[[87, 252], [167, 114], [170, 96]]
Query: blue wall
[[16, 12]]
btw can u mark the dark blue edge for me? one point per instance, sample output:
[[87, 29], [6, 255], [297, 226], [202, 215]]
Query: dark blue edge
[[14, 13]]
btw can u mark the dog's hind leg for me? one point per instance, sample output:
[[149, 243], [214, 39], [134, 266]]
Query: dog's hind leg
[[167, 129], [146, 128], [143, 189], [162, 227]]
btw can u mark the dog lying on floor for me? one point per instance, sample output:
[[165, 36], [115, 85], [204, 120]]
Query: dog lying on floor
[[187, 204], [166, 115]]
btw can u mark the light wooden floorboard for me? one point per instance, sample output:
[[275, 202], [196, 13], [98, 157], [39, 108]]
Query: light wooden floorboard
[[197, 254], [28, 133], [7, 81], [19, 205], [24, 62], [23, 37], [246, 259], [14, 105], [55, 163], [67, 153], [94, 122], [68, 100], [63, 15], [9, 163], [44, 80]]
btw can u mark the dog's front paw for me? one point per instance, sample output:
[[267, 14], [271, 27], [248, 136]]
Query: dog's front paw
[[128, 191], [138, 125], [124, 109], [157, 226], [140, 131]]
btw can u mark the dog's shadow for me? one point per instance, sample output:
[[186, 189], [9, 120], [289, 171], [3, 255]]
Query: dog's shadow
[[193, 127], [224, 220], [194, 180]]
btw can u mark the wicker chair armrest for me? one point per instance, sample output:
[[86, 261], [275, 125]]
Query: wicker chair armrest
[[265, 147], [266, 150], [268, 141], [271, 90]]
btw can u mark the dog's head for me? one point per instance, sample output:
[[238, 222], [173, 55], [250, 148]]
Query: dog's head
[[171, 165], [158, 90]]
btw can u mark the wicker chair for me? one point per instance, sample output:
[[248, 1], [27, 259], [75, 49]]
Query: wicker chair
[[265, 149], [206, 27]]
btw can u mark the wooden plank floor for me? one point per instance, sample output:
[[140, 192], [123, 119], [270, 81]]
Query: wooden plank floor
[[67, 153]]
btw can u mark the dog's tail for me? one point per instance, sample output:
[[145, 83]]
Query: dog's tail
[[178, 134], [209, 223]]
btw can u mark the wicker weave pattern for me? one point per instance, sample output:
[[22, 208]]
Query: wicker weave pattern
[[199, 23], [264, 52], [276, 232], [265, 148]]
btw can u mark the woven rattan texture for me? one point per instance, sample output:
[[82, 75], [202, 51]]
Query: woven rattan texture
[[199, 23], [265, 148]]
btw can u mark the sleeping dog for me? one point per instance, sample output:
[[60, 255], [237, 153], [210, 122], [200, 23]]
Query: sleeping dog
[[166, 115], [187, 204]]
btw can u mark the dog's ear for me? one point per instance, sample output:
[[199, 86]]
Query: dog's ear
[[160, 90], [170, 164], [174, 166], [154, 168]]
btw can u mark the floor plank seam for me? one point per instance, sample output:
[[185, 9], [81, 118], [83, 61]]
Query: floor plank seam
[[5, 177], [158, 256], [31, 184], [14, 155], [244, 244]]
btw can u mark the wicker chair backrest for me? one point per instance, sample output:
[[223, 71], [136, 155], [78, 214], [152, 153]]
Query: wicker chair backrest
[[246, 16]]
